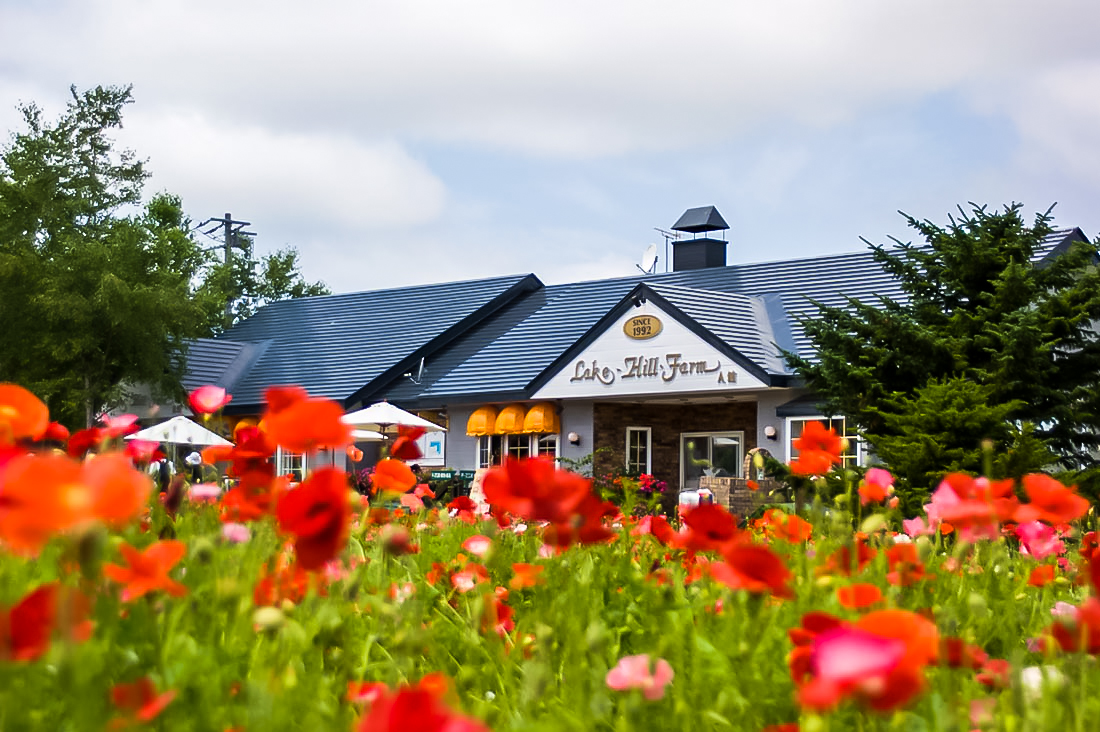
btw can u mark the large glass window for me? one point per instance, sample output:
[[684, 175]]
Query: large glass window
[[639, 445], [717, 454], [492, 448], [853, 454]]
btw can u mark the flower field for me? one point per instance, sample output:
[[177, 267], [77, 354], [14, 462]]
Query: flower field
[[272, 607]]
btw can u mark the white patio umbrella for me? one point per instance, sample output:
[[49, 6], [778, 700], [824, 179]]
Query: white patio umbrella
[[179, 431], [383, 414], [367, 435]]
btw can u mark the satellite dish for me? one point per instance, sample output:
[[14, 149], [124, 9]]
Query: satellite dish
[[648, 264]]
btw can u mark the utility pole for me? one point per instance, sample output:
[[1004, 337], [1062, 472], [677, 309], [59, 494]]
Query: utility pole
[[232, 231]]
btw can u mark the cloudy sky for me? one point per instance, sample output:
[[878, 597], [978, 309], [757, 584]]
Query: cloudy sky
[[410, 141]]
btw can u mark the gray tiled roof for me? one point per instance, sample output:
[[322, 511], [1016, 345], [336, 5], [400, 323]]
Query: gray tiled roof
[[334, 345], [489, 339], [749, 306], [218, 362]]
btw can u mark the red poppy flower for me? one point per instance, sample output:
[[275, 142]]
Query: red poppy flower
[[535, 490], [285, 583], [996, 673], [781, 525], [140, 699], [318, 515], [905, 566], [365, 692], [404, 446], [415, 709], [463, 508], [657, 527], [142, 452], [56, 432], [208, 399], [957, 653], [754, 568], [279, 398], [708, 527], [844, 561], [23, 416], [1081, 633], [354, 453], [147, 570], [307, 425], [819, 448], [1050, 501], [586, 526], [26, 629], [84, 440], [1041, 576], [858, 596], [118, 492], [40, 495], [392, 476], [526, 575]]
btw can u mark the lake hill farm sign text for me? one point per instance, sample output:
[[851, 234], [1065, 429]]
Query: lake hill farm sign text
[[647, 354]]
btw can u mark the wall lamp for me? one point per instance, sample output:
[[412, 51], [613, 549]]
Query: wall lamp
[[574, 438], [770, 433]]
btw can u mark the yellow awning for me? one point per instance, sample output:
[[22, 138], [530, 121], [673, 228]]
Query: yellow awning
[[482, 422], [510, 420], [542, 418]]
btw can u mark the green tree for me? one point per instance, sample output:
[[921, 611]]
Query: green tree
[[94, 287], [985, 344], [232, 291]]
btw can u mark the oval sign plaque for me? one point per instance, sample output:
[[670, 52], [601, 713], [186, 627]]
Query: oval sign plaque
[[642, 327]]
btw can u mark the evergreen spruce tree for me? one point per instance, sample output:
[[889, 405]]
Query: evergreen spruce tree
[[986, 344]]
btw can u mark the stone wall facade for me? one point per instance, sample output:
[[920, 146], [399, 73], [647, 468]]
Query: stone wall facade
[[667, 422]]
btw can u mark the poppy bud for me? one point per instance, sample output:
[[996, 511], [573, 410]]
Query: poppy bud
[[268, 618], [89, 550], [978, 606], [202, 549]]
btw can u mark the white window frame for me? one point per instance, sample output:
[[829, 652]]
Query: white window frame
[[282, 464], [648, 431], [738, 434], [506, 440], [858, 455]]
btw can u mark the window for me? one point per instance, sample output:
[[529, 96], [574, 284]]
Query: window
[[853, 454], [717, 454], [639, 445], [547, 446], [518, 446], [491, 448], [291, 463]]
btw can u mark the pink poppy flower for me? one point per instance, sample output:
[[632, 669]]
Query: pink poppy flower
[[636, 672], [1039, 540], [209, 399], [236, 533], [478, 545]]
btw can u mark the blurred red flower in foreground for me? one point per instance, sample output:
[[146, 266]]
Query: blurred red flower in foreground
[[317, 514], [879, 661], [208, 399], [23, 416], [535, 490], [415, 709], [392, 476], [306, 425], [754, 568], [404, 447], [819, 448], [147, 571], [708, 527], [26, 629], [1050, 501], [140, 699]]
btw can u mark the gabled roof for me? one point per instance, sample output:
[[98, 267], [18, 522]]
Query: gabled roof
[[490, 340], [336, 345], [219, 362]]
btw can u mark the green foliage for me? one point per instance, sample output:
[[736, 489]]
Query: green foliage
[[98, 289], [984, 333], [246, 283], [94, 291]]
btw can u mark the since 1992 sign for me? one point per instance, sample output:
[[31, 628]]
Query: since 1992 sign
[[642, 327]]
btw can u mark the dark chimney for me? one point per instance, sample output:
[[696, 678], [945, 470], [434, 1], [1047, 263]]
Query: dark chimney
[[699, 252]]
